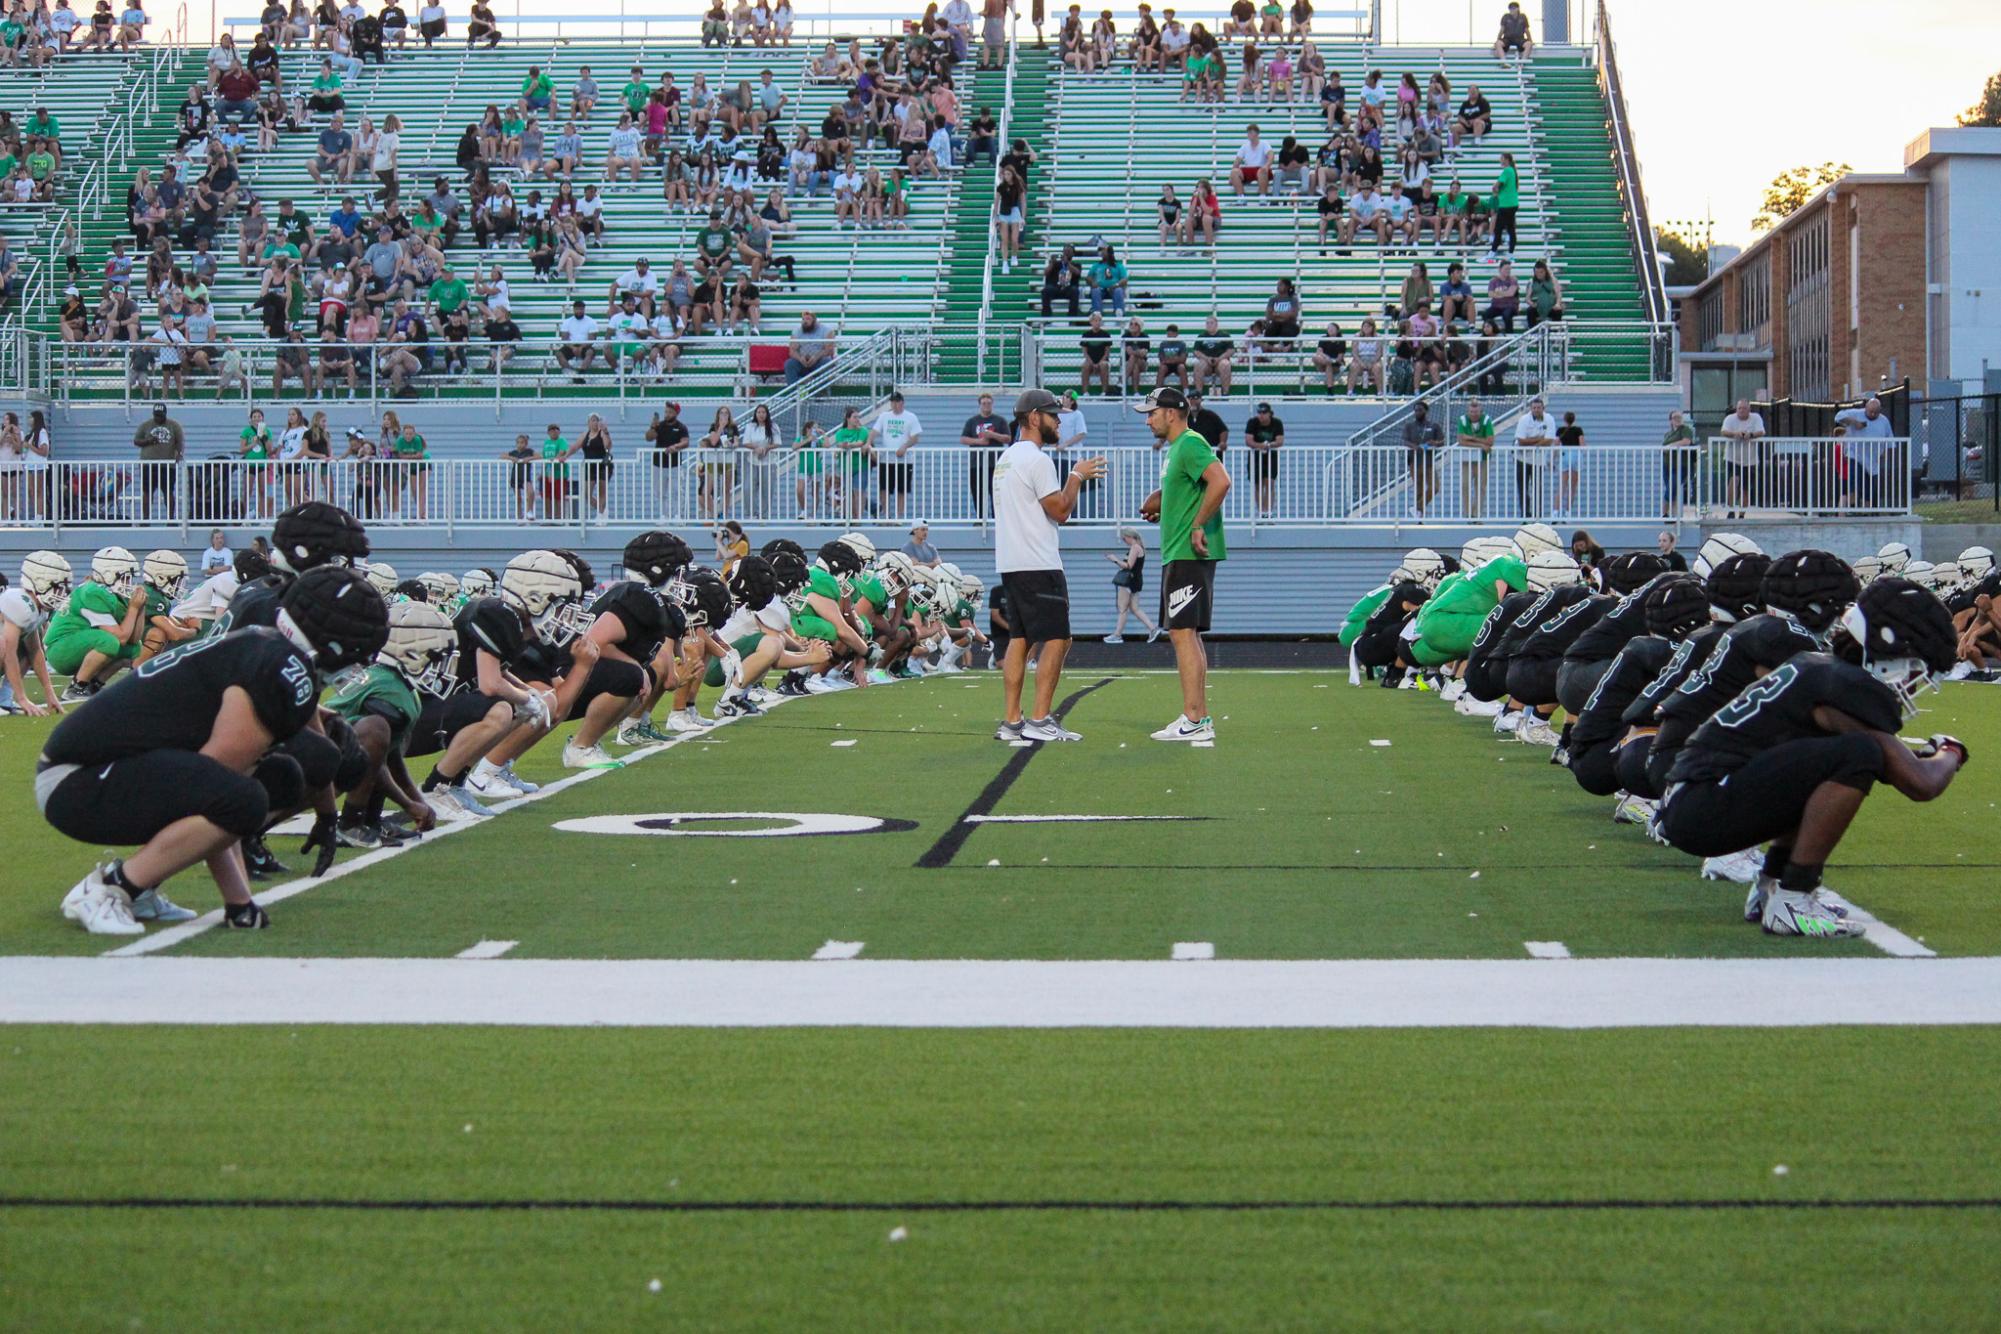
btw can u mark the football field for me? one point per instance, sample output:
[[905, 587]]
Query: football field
[[853, 1014]]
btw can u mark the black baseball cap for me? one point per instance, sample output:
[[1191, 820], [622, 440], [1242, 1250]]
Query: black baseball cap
[[1165, 397]]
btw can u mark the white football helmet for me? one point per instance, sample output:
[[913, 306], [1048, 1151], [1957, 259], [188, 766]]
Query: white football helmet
[[1483, 549], [1919, 572], [1534, 537], [1424, 566], [115, 568], [46, 576], [476, 583], [1721, 547], [1867, 570], [166, 572], [545, 588], [1947, 577], [1551, 569], [1895, 556], [1974, 564], [860, 545], [972, 588], [950, 571], [420, 642], [439, 587], [383, 575], [896, 570]]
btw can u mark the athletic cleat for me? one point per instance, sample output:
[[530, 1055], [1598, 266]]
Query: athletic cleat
[[695, 720], [1791, 912], [903, 672], [76, 692], [1468, 707], [1754, 903], [948, 669], [762, 697], [820, 685], [493, 785], [100, 907], [737, 706], [1008, 732], [469, 801], [1742, 867], [153, 906], [1507, 721], [1183, 730], [444, 805], [588, 757], [1451, 691], [878, 677], [517, 780], [793, 684], [1634, 810], [1536, 731], [258, 861], [1046, 729], [244, 917], [839, 683]]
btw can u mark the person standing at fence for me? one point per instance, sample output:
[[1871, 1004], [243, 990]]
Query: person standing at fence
[[1264, 433], [1534, 432], [669, 440], [985, 436], [1742, 430], [595, 446], [1473, 434], [1868, 446], [895, 433], [1030, 504], [161, 444], [1569, 463], [1129, 581], [1423, 439], [1678, 457]]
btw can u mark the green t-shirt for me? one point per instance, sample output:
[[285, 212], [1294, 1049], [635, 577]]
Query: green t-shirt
[[713, 242], [327, 83], [275, 249], [43, 127], [389, 685], [409, 447], [88, 599], [12, 32], [450, 296], [537, 85], [1683, 435], [257, 442], [512, 124], [870, 589], [552, 454], [1482, 429], [41, 165], [7, 164], [1181, 491], [636, 95], [1507, 190]]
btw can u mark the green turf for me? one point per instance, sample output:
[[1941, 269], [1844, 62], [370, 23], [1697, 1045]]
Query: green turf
[[1314, 843], [875, 1118]]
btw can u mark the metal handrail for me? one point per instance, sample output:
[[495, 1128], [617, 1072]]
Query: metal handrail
[[1006, 128], [1629, 172]]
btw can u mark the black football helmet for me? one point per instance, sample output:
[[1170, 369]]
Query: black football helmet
[[839, 559], [778, 544], [581, 566], [702, 597], [751, 582], [336, 616], [314, 534], [656, 556], [413, 590], [1630, 570], [788, 571], [249, 565], [1813, 587], [1737, 586], [1676, 607], [1901, 634]]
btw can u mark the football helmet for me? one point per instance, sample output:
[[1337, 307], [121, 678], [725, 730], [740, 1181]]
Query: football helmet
[[383, 575], [1676, 607], [410, 590], [788, 570], [1552, 569], [249, 565], [860, 545], [1946, 578], [949, 570], [656, 556], [1737, 587], [1483, 549], [585, 577], [419, 645], [1903, 635], [335, 617], [316, 533], [971, 588], [1974, 563], [702, 597], [1531, 538], [1867, 569], [477, 582], [778, 544], [115, 568], [544, 587], [165, 571], [751, 582], [1810, 586], [1895, 556], [441, 587], [45, 576], [1918, 572], [1630, 571], [839, 559], [1720, 547], [1422, 565], [896, 571]]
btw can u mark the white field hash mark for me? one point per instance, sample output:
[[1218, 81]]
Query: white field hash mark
[[1547, 949], [487, 949], [1193, 950], [840, 949]]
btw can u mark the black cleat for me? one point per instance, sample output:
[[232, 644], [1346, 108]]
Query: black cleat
[[259, 862], [244, 917]]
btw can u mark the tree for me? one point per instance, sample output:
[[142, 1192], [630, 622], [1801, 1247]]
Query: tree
[[1687, 264], [1790, 189], [1987, 111]]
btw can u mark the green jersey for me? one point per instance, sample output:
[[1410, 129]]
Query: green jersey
[[1359, 614], [1511, 570], [824, 583], [91, 606], [41, 165], [552, 455], [1482, 430], [256, 442], [409, 447], [636, 95], [713, 242], [395, 701], [157, 604], [870, 590], [1181, 489], [450, 296]]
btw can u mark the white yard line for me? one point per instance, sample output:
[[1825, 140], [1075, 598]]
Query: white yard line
[[1879, 933], [487, 949], [1547, 949], [1066, 819], [1584, 993], [1190, 950], [155, 941], [840, 949], [840, 744]]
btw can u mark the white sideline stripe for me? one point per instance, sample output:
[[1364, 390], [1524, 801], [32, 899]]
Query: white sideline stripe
[[487, 949], [1231, 993], [1879, 933], [838, 744], [1547, 949], [1063, 819], [1193, 949], [840, 949], [155, 941]]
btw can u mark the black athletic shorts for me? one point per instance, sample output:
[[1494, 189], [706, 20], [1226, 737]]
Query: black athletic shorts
[[442, 719], [1486, 678], [128, 801], [1765, 799], [1187, 588], [1533, 680], [1264, 465], [609, 676], [1636, 771], [1379, 648], [894, 478], [1577, 680], [1596, 768], [1038, 605], [318, 757]]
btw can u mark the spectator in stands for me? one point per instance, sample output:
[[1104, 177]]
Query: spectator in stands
[[1252, 163], [383, 161], [1569, 465], [1365, 213], [1173, 358], [1202, 216], [1062, 276], [1678, 463], [335, 152], [1095, 343], [481, 26], [62, 27], [1475, 118], [1507, 202], [1074, 42], [1109, 281], [132, 23], [1282, 313], [1215, 357], [812, 346], [1456, 295], [1416, 289], [1365, 366], [1264, 434], [1504, 297], [1545, 294], [1535, 433], [1514, 38], [1743, 432], [1137, 353], [1293, 164]]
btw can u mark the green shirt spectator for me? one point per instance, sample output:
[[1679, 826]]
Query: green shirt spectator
[[11, 32], [1682, 435], [713, 241], [537, 85], [1474, 434], [41, 164], [555, 449], [450, 294], [1508, 190], [42, 125], [635, 95], [1181, 489]]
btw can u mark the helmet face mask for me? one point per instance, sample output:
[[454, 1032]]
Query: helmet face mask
[[476, 583], [1893, 557], [1422, 565], [115, 568], [439, 587], [1902, 635], [46, 576], [541, 585], [1975, 563]]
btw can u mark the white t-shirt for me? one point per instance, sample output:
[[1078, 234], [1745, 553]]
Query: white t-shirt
[[1742, 433], [898, 431], [1528, 428], [1071, 429], [773, 617], [579, 329], [1024, 535], [292, 443], [1254, 154], [214, 559], [623, 143], [22, 611], [385, 151], [632, 280]]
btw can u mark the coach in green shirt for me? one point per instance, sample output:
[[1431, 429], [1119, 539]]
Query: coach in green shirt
[[1473, 435], [1189, 509]]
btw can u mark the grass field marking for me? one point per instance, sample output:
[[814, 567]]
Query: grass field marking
[[1191, 950], [154, 942], [941, 853], [487, 949], [1547, 949], [1879, 933], [840, 949], [839, 744], [1071, 819], [958, 993]]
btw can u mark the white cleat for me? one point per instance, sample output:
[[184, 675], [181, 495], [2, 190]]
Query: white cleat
[[517, 780], [445, 806], [1468, 707], [100, 907], [153, 906], [1536, 731], [1791, 912], [1762, 890], [1960, 671], [469, 801], [1506, 723], [493, 784], [1741, 867], [1046, 729], [588, 757], [815, 685], [1452, 689], [1183, 730], [1634, 810]]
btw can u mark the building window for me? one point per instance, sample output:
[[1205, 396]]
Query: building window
[[1808, 322], [1754, 300], [1709, 319]]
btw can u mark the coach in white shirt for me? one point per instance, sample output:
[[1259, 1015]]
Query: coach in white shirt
[[1029, 506], [1742, 455], [1534, 434]]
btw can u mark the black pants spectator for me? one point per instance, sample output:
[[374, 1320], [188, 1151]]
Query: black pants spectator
[[1493, 380], [1502, 316], [1504, 225], [980, 478], [1052, 292], [1528, 483]]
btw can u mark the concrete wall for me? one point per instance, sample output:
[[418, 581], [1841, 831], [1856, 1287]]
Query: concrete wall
[[1966, 202]]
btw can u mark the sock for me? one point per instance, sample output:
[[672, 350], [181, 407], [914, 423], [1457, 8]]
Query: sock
[[1776, 857], [486, 769], [373, 817], [116, 875], [1800, 877], [439, 778]]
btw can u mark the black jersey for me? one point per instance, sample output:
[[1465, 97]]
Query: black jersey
[[170, 702], [1631, 672], [645, 617], [1760, 641], [1963, 600], [1618, 623], [1777, 708], [1494, 630], [492, 625], [1392, 613], [1572, 610], [1689, 654], [255, 603]]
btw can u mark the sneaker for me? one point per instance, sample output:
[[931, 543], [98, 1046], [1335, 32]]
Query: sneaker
[[948, 669], [357, 836], [153, 906], [642, 733], [1046, 729], [1634, 810], [1762, 890], [878, 677], [75, 693], [1506, 722], [820, 685], [1009, 732], [793, 684], [1453, 689], [492, 784], [1157, 632], [1115, 639], [1409, 681], [445, 806], [695, 720], [258, 861], [588, 757], [1468, 707], [1791, 912], [1742, 867], [1536, 731], [517, 780], [244, 917], [1960, 671], [468, 801], [762, 697], [100, 907], [1183, 730]]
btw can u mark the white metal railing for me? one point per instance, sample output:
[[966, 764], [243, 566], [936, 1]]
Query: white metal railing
[[1006, 128], [1296, 486], [1814, 474]]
